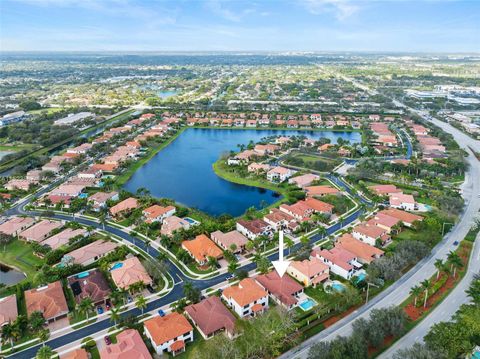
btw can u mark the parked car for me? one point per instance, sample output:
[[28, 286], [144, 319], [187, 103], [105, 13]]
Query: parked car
[[107, 339], [455, 243], [99, 310], [161, 313]]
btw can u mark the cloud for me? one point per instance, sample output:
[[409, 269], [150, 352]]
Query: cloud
[[342, 9]]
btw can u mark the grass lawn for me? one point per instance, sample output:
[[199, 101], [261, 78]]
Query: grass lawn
[[20, 255], [49, 110]]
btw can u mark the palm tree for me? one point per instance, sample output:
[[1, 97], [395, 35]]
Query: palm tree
[[45, 352], [116, 297], [289, 244], [114, 315], [322, 231], [43, 335], [212, 262], [7, 332], [232, 267], [426, 286], [455, 262], [415, 291], [141, 303], [85, 306], [439, 265]]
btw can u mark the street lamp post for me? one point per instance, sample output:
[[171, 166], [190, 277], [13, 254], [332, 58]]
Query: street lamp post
[[368, 290]]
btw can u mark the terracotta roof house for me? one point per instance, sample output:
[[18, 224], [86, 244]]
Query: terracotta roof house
[[406, 218], [319, 191], [278, 219], [210, 316], [62, 238], [304, 180], [385, 189], [90, 253], [310, 272], [340, 261], [247, 298], [8, 309], [129, 345], [229, 239], [279, 174], [15, 225], [34, 175], [264, 150], [49, 300], [169, 333], [284, 290], [131, 272], [172, 224], [403, 201], [75, 354], [318, 206], [68, 190], [124, 206], [258, 167], [201, 248], [384, 221], [40, 231], [363, 251], [253, 228], [21, 184], [99, 199], [91, 284], [370, 234], [158, 213]]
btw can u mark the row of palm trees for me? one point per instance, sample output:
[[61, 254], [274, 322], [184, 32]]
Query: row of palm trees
[[450, 266]]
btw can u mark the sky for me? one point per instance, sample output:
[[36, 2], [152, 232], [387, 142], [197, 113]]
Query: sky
[[240, 25]]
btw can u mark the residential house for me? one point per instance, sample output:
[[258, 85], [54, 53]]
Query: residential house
[[21, 184], [385, 189], [403, 201], [40, 231], [129, 345], [90, 253], [279, 174], [130, 272], [172, 224], [8, 309], [283, 290], [124, 206], [253, 228], [34, 176], [304, 180], [384, 221], [79, 353], [320, 191], [99, 199], [258, 167], [370, 234], [278, 219], [407, 219], [62, 238], [91, 284], [340, 261], [158, 213], [15, 225], [247, 298], [169, 333], [201, 248], [233, 241], [49, 300], [210, 317], [364, 252], [310, 272]]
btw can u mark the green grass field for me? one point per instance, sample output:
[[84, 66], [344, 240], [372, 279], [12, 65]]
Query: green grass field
[[20, 255]]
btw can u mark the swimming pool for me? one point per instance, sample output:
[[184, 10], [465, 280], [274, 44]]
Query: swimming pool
[[83, 275], [361, 277], [116, 266], [83, 195], [307, 304], [339, 287], [191, 220]]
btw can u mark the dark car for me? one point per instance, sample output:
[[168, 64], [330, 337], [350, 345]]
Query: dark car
[[107, 339], [161, 313], [455, 243]]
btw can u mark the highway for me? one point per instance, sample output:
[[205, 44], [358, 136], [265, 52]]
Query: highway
[[399, 291]]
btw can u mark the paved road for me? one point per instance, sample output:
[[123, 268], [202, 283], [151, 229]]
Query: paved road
[[457, 297], [399, 291]]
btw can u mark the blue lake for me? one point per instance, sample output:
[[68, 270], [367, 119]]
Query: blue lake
[[183, 170]]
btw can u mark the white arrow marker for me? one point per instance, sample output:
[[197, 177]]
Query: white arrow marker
[[280, 265]]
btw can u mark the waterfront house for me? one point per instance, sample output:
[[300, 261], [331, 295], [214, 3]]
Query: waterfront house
[[129, 345], [247, 298], [40, 231], [124, 206], [15, 225], [304, 180], [309, 272], [169, 333], [279, 174], [210, 317], [320, 191], [283, 290], [158, 213], [172, 224], [253, 228], [258, 167], [201, 248], [49, 300], [8, 309]]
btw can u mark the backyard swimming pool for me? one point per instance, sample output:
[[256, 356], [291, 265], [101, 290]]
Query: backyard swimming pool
[[307, 304], [83, 275], [116, 266]]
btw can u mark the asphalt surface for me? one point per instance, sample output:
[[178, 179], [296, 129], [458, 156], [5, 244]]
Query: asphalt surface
[[399, 291]]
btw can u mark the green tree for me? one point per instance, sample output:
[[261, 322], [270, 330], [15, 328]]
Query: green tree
[[439, 265], [36, 321], [415, 291], [141, 303], [426, 284], [43, 335], [191, 292], [473, 290], [86, 306], [45, 352], [114, 315]]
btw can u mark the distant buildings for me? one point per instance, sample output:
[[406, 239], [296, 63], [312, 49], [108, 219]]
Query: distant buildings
[[13, 118], [72, 118]]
